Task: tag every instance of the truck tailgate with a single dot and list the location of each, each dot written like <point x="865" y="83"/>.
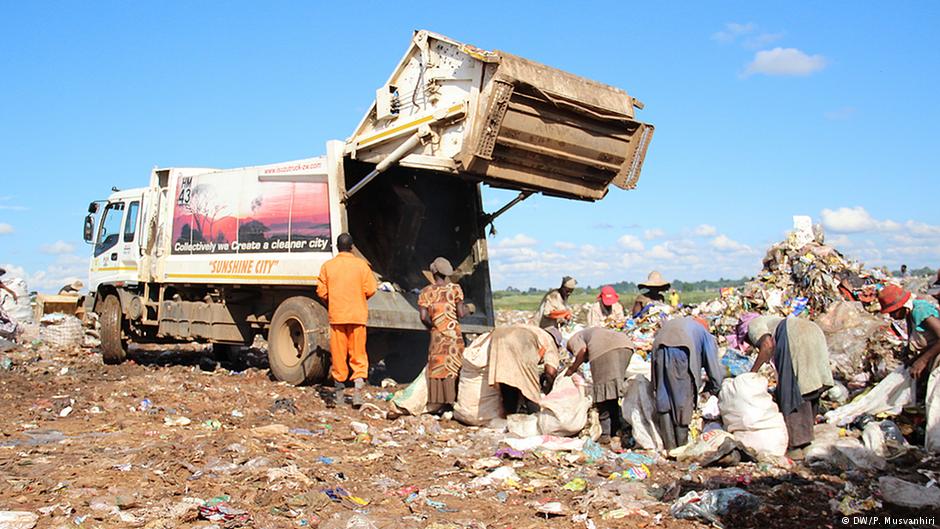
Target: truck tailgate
<point x="504" y="120"/>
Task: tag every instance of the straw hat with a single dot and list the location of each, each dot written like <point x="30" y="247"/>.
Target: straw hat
<point x="440" y="266"/>
<point x="654" y="280"/>
<point x="608" y="296"/>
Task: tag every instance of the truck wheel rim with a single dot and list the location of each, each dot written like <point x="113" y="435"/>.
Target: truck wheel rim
<point x="291" y="342"/>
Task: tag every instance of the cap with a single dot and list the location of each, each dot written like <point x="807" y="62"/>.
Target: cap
<point x="569" y="282"/>
<point x="608" y="296"/>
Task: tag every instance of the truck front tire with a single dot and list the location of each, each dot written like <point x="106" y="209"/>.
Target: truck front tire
<point x="298" y="341"/>
<point x="113" y="345"/>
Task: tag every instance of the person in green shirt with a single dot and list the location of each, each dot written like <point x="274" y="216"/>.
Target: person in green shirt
<point x="923" y="329"/>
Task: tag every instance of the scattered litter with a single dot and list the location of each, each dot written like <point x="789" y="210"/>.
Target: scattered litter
<point x="285" y="405"/>
<point x="711" y="504"/>
<point x="18" y="520"/>
<point x="176" y="421"/>
<point x="906" y="494"/>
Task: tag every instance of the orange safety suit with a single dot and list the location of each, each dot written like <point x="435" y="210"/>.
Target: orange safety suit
<point x="346" y="282"/>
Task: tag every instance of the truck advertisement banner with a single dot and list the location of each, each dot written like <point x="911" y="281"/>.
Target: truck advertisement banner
<point x="225" y="213"/>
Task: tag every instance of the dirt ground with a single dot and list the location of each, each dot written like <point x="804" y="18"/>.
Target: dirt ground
<point x="149" y="442"/>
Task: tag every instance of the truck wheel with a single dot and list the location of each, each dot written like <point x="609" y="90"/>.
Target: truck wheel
<point x="113" y="345"/>
<point x="298" y="341"/>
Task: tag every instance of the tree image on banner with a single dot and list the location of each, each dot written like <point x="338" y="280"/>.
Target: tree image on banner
<point x="206" y="210"/>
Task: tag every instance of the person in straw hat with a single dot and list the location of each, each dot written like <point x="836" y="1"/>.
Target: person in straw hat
<point x="442" y="304"/>
<point x="607" y="310"/>
<point x="923" y="328"/>
<point x="72" y="288"/>
<point x="554" y="311"/>
<point x="653" y="291"/>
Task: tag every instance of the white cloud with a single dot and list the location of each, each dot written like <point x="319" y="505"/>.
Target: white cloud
<point x="58" y="247"/>
<point x="563" y="245"/>
<point x="64" y="270"/>
<point x="631" y="242"/>
<point x="725" y="243"/>
<point x="733" y="30"/>
<point x="761" y="40"/>
<point x="840" y="114"/>
<point x="6" y="229"/>
<point x="854" y="220"/>
<point x="839" y="241"/>
<point x="660" y="252"/>
<point x="705" y="230"/>
<point x="7" y="207"/>
<point x="653" y="233"/>
<point x="920" y="229"/>
<point x="785" y="61"/>
<point x="517" y="241"/>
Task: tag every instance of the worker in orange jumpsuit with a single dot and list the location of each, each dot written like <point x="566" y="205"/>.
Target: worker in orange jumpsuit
<point x="346" y="282"/>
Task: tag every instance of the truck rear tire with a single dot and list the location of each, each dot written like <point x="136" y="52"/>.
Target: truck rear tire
<point x="298" y="341"/>
<point x="113" y="345"/>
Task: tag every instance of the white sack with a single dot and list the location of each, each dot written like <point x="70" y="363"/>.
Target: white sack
<point x="564" y="411"/>
<point x="890" y="396"/>
<point x="750" y="413"/>
<point x="477" y="402"/>
<point x="638" y="411"/>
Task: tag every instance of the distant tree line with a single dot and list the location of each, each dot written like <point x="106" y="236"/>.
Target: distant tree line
<point x="631" y="287"/>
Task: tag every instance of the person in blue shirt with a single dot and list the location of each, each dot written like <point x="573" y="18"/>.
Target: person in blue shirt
<point x="681" y="349"/>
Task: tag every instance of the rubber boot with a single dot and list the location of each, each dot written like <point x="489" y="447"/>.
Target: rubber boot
<point x="338" y="397"/>
<point x="357" y="392"/>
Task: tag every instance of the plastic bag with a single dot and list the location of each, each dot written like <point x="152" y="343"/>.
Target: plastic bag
<point x="414" y="397"/>
<point x="564" y="410"/>
<point x="18" y="519"/>
<point x="749" y="412"/>
<point x="890" y="396"/>
<point x="906" y="494"/>
<point x="845" y="453"/>
<point x="477" y="402"/>
<point x="711" y="504"/>
<point x="736" y="363"/>
<point x="715" y="447"/>
<point x="20" y="310"/>
<point x="873" y="437"/>
<point x="638" y="411"/>
<point x="848" y="326"/>
<point x="932" y="441"/>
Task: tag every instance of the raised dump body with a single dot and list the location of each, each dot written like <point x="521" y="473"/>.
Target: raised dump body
<point x="221" y="256"/>
<point x="497" y="118"/>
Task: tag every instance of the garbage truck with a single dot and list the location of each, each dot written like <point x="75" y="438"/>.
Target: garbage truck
<point x="224" y="255"/>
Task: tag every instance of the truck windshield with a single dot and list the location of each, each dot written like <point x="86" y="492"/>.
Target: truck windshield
<point x="110" y="230"/>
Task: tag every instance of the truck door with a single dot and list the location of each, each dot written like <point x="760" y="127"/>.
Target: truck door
<point x="106" y="263"/>
<point x="129" y="254"/>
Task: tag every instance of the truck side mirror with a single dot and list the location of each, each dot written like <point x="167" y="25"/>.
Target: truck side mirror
<point x="89" y="228"/>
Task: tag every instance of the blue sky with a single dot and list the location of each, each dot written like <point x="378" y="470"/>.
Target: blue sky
<point x="762" y="111"/>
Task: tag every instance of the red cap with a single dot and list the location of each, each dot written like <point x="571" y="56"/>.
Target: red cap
<point x="892" y="297"/>
<point x="608" y="296"/>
